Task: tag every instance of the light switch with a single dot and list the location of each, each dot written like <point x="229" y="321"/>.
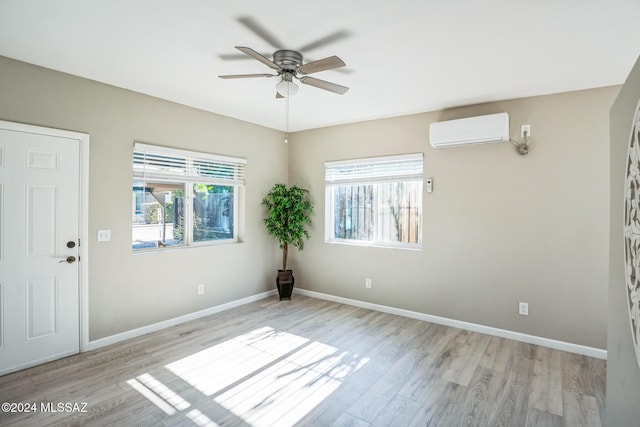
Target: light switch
<point x="104" y="235"/>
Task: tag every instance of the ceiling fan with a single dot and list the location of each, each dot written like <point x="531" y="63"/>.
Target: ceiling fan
<point x="287" y="64"/>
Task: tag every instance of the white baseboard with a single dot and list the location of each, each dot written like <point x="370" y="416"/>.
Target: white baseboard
<point x="176" y="321"/>
<point x="503" y="333"/>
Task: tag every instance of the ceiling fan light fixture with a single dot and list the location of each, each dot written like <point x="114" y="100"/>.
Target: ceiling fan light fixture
<point x="286" y="88"/>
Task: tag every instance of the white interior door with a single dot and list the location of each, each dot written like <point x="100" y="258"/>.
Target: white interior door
<point x="39" y="256"/>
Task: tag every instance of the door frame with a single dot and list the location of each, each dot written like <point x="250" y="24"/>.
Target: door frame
<point x="83" y="215"/>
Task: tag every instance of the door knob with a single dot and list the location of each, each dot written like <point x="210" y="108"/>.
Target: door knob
<point x="70" y="259"/>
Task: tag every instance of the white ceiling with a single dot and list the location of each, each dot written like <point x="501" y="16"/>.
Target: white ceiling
<point x="403" y="57"/>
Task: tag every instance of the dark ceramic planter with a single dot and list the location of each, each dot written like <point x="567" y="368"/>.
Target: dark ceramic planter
<point x="285" y="283"/>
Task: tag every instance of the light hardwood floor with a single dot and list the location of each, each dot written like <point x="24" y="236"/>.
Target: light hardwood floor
<point x="311" y="362"/>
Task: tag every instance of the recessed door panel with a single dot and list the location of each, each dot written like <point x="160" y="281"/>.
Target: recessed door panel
<point x="42" y="160"/>
<point x="42" y="307"/>
<point x="2" y="233"/>
<point x="41" y="213"/>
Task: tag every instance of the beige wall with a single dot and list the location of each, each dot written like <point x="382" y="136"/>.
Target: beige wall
<point x="128" y="291"/>
<point x="499" y="227"/>
<point x="623" y="373"/>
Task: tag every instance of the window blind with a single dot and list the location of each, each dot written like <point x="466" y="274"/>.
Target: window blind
<point x="152" y="162"/>
<point x="406" y="167"/>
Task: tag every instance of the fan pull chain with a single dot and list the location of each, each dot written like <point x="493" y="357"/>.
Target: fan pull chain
<point x="286" y="126"/>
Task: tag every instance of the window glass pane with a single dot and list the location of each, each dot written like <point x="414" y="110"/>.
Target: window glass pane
<point x="157" y="215"/>
<point x="212" y="212"/>
<point x="354" y="214"/>
<point x="386" y="212"/>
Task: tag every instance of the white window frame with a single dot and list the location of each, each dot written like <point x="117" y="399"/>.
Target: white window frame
<point x="372" y="170"/>
<point x="192" y="167"/>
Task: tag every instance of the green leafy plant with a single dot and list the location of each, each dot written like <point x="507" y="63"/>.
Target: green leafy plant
<point x="289" y="211"/>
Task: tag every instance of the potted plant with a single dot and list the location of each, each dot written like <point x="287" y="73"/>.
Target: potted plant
<point x="289" y="211"/>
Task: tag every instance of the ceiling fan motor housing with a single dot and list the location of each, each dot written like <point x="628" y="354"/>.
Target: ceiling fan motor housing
<point x="288" y="60"/>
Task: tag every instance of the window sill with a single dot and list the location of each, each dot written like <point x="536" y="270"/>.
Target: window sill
<point x="181" y="248"/>
<point x="383" y="245"/>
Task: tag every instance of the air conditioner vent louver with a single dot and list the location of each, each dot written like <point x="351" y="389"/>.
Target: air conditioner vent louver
<point x="471" y="130"/>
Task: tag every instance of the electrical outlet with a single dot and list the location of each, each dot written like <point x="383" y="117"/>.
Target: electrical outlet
<point x="367" y="283"/>
<point x="201" y="289"/>
<point x="104" y="235"/>
<point x="525" y="129"/>
<point x="523" y="309"/>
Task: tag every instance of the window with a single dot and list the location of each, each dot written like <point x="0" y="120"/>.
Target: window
<point x="184" y="198"/>
<point x="375" y="201"/>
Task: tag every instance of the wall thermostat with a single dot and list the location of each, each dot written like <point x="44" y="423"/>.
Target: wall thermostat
<point x="429" y="185"/>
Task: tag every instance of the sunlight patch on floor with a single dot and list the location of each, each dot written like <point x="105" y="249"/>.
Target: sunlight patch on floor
<point x="215" y="368"/>
<point x="201" y="419"/>
<point x="268" y="377"/>
<point x="164" y="392"/>
<point x="153" y="398"/>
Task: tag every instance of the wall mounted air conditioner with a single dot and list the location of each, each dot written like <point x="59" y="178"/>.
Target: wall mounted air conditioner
<point x="472" y="130"/>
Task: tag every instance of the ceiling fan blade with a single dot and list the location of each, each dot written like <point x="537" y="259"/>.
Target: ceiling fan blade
<point x="245" y="76"/>
<point x="343" y="70"/>
<point x="331" y="87"/>
<point x="278" y="96"/>
<point x="236" y="56"/>
<point x="255" y="55"/>
<point x="260" y="31"/>
<point x="321" y="65"/>
<point x="331" y="38"/>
